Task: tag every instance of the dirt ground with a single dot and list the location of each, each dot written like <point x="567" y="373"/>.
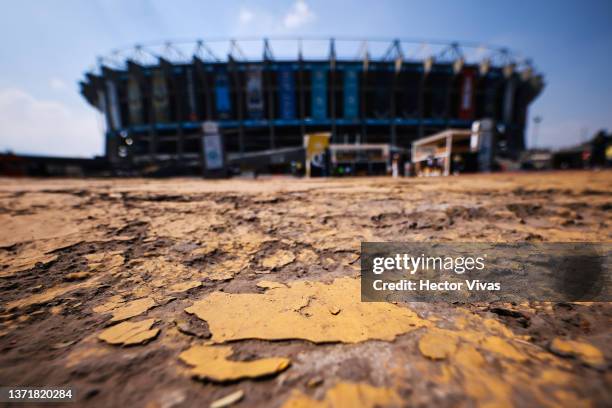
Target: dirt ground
<point x="180" y="292"/>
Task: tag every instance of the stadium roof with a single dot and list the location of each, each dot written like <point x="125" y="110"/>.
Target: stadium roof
<point x="250" y="49"/>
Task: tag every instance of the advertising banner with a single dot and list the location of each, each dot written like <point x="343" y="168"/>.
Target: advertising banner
<point x="222" y="95"/>
<point x="113" y="101"/>
<point x="509" y="100"/>
<point x="382" y="98"/>
<point x="254" y="93"/>
<point x="134" y="101"/>
<point x="351" y="93"/>
<point x="485" y="129"/>
<point x="213" y="151"/>
<point x="316" y="145"/>
<point x="161" y="105"/>
<point x="491" y="87"/>
<point x="192" y="108"/>
<point x="286" y="88"/>
<point x="319" y="93"/>
<point x="212" y="148"/>
<point x="466" y="104"/>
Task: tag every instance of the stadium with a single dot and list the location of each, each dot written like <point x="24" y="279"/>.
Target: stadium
<point x="267" y="94"/>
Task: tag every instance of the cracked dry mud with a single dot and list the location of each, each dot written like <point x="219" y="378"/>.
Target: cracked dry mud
<point x="184" y="292"/>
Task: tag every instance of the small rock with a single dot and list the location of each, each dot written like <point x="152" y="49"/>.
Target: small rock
<point x="74" y="276"/>
<point x="314" y="382"/>
<point x="91" y="393"/>
<point x="228" y="400"/>
<point x="437" y="345"/>
<point x="334" y="310"/>
<point x="130" y="333"/>
<point x="169" y="399"/>
<point x="264" y="284"/>
<point x="585" y="352"/>
<point x="65" y="344"/>
<point x="193" y="327"/>
<point x="278" y="259"/>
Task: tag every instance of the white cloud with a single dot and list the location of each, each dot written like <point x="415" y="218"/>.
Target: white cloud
<point x="299" y="15"/>
<point x="57" y="84"/>
<point x="245" y="16"/>
<point x="264" y="22"/>
<point x="35" y="126"/>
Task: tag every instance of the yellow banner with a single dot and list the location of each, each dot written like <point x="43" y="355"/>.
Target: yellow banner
<point x="316" y="143"/>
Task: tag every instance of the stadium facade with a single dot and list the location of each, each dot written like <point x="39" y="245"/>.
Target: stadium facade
<point x="267" y="94"/>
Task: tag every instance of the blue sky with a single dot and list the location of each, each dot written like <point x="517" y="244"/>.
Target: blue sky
<point x="47" y="46"/>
